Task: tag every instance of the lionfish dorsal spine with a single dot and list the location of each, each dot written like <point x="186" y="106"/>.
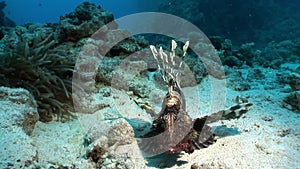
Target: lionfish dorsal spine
<point x="167" y="63"/>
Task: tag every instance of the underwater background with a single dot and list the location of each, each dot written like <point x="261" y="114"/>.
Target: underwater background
<point x="80" y="88"/>
<point x="43" y="11"/>
<point x="259" y="21"/>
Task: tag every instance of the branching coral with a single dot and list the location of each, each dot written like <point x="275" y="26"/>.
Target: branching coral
<point x="43" y="69"/>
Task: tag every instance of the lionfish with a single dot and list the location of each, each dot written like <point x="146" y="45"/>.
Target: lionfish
<point x="174" y="131"/>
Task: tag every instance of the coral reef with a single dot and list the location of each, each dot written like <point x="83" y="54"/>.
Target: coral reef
<point x="35" y="62"/>
<point x="93" y="69"/>
<point x="273" y="55"/>
<point x="261" y="21"/>
<point x="34" y="57"/>
<point x="124" y="90"/>
<point x="83" y="22"/>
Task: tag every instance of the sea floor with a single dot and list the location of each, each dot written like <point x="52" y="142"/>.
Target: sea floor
<point x="268" y="136"/>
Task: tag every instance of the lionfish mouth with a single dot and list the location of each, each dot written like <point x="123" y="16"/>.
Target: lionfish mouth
<point x="172" y="102"/>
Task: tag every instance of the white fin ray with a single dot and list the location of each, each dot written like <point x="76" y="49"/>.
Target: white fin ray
<point x="185" y="47"/>
<point x="169" y="69"/>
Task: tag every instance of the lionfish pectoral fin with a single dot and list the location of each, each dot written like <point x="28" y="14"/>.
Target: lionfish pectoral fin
<point x="236" y="111"/>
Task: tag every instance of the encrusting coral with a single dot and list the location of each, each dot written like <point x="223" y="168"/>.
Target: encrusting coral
<point x="42" y="69"/>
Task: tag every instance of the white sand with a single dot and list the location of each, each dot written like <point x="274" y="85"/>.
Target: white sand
<point x="258" y="144"/>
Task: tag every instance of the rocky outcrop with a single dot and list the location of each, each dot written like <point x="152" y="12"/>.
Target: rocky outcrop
<point x="83" y="22"/>
<point x="293" y="101"/>
<point x="18" y="109"/>
<point x="18" y="118"/>
<point x="112" y="145"/>
<point x="5" y="21"/>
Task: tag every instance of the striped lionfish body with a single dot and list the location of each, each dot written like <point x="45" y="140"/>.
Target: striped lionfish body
<point x="174" y="130"/>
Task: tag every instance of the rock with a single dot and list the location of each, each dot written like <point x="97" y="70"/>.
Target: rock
<point x="247" y="53"/>
<point x="267" y="118"/>
<point x="5" y="21"/>
<point x="211" y="165"/>
<point x="17" y="150"/>
<point x="296" y="48"/>
<point x="111" y="141"/>
<point x="210" y="59"/>
<point x="141" y="87"/>
<point x="288" y="44"/>
<point x="294" y="81"/>
<point x="18" y="118"/>
<point x="141" y="41"/>
<point x="112" y="131"/>
<point x="83" y="22"/>
<point x="232" y="61"/>
<point x="255" y="74"/>
<point x="217" y="41"/>
<point x="288" y="75"/>
<point x="294" y="101"/>
<point x="19" y="109"/>
<point x="237" y="81"/>
<point x="106" y="68"/>
<point x="283" y="54"/>
<point x="125" y="47"/>
<point x="96" y="154"/>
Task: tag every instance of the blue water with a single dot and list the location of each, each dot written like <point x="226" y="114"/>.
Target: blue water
<point x="259" y="21"/>
<point x="43" y="11"/>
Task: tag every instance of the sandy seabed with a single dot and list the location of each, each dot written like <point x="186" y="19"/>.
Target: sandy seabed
<point x="268" y="136"/>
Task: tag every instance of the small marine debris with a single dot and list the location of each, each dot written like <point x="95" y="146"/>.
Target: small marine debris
<point x="267" y="118"/>
<point x="64" y="167"/>
<point x="262" y="148"/>
<point x="284" y="132"/>
<point x="195" y="166"/>
<point x="209" y="165"/>
<point x="106" y="92"/>
<point x="256" y="125"/>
